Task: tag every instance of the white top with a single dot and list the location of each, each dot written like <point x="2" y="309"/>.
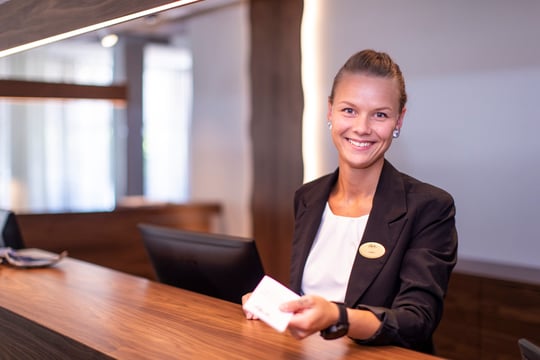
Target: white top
<point x="329" y="264"/>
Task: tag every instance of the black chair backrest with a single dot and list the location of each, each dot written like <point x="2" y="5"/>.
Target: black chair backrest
<point x="10" y="234"/>
<point x="529" y="351"/>
<point x="218" y="265"/>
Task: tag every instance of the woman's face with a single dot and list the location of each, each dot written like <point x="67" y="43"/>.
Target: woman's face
<point x="364" y="113"/>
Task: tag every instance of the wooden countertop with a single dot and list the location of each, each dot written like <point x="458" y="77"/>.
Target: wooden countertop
<point x="80" y="310"/>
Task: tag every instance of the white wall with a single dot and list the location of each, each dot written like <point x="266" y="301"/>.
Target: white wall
<point x="221" y="168"/>
<point x="473" y="77"/>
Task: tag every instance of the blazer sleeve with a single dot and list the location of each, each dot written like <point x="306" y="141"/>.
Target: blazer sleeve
<point x="428" y="258"/>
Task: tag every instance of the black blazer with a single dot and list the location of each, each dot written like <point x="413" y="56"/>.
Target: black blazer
<point x="404" y="288"/>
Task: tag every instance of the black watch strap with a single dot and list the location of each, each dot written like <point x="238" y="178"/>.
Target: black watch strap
<point x="339" y="329"/>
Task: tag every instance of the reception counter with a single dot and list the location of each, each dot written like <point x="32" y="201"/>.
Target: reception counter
<point x="77" y="310"/>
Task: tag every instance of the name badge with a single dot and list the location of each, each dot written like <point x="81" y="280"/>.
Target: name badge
<point x="371" y="250"/>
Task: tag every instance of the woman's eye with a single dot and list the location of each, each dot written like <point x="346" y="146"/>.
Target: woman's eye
<point x="348" y="111"/>
<point x="381" y="115"/>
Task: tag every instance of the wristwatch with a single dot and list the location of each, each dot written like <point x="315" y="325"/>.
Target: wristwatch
<point x="340" y="328"/>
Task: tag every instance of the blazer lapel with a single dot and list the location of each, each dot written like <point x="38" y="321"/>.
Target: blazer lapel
<point x="384" y="225"/>
<point x="307" y="224"/>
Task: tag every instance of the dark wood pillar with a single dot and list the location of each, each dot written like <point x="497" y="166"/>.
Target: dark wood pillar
<point x="276" y="127"/>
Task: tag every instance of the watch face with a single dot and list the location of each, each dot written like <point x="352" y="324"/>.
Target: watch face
<point x="335" y="331"/>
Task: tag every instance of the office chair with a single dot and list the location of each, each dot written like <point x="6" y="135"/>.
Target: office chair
<point x="10" y="234"/>
<point x="529" y="351"/>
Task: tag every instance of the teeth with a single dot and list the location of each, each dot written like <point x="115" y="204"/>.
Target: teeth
<point x="358" y="143"/>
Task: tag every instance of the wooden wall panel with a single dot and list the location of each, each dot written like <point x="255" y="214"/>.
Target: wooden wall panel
<point x="459" y="331"/>
<point x="276" y="127"/>
<point x="112" y="239"/>
<point x="510" y="310"/>
<point x="485" y="317"/>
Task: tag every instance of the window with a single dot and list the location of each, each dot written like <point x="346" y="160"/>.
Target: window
<point x="167" y="112"/>
<point x="58" y="156"/>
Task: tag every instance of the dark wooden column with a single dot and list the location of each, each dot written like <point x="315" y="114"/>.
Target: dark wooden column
<point x="276" y="127"/>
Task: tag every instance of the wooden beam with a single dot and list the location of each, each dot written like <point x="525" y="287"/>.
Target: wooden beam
<point x="19" y="89"/>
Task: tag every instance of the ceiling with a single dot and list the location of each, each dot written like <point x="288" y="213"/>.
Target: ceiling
<point x="30" y="23"/>
<point x="165" y="24"/>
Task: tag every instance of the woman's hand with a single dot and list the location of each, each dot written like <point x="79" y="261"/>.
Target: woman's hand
<point x="249" y="315"/>
<point x="311" y="314"/>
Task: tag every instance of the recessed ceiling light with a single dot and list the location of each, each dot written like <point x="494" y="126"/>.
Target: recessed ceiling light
<point x="109" y="40"/>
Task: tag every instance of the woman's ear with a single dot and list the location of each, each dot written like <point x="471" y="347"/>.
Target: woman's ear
<point x="399" y="123"/>
<point x="329" y="112"/>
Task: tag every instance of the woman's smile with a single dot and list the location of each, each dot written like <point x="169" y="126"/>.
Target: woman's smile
<point x="359" y="143"/>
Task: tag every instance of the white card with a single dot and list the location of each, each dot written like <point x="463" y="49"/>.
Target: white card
<point x="265" y="300"/>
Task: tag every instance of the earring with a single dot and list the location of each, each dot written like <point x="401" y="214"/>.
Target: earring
<point x="395" y="133"/>
<point x="329" y="125"/>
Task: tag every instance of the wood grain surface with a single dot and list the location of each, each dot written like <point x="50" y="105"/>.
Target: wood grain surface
<point x="18" y="89"/>
<point x="27" y="21"/>
<point x="111" y="238"/>
<point x="84" y="311"/>
<point x="276" y="127"/>
<point x="484" y="318"/>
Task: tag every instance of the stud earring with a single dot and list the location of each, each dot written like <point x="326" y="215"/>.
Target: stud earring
<point x="395" y="133"/>
<point x="329" y="125"/>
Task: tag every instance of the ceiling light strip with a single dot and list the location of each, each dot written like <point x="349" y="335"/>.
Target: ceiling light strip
<point x="94" y="27"/>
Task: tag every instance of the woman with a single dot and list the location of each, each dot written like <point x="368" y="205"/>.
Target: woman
<point x="373" y="248"/>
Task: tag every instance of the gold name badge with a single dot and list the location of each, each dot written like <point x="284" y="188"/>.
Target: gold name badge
<point x="371" y="250"/>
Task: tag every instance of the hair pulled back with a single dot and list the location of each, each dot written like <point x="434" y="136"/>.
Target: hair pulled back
<point x="371" y="62"/>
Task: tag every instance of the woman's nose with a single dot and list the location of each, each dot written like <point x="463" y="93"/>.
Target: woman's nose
<point x="361" y="125"/>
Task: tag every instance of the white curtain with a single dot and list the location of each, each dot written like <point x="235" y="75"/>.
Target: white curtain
<point x="167" y="113"/>
<point x="60" y="155"/>
<point x="56" y="155"/>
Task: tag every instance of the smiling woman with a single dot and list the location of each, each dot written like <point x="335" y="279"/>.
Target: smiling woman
<point x="373" y="248"/>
